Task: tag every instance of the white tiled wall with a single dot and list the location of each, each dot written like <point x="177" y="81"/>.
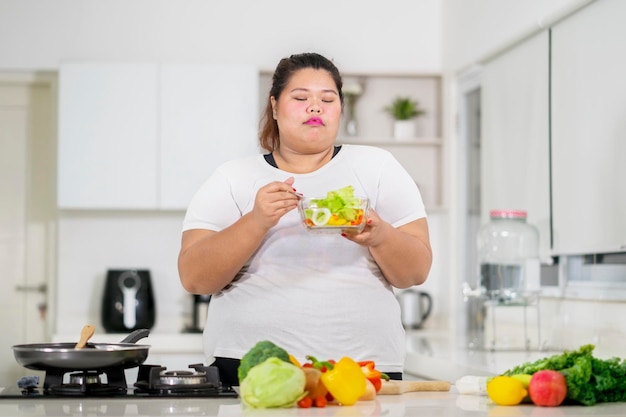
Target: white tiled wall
<point x="90" y="243"/>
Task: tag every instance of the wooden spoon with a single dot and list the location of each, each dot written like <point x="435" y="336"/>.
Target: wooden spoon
<point x="85" y="334"/>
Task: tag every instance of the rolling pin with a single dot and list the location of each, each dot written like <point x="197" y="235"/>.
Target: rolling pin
<point x="400" y="387"/>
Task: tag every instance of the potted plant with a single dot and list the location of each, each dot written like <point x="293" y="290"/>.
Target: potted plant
<point x="404" y="111"/>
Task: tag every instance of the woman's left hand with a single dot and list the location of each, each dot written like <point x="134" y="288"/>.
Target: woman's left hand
<point x="372" y="234"/>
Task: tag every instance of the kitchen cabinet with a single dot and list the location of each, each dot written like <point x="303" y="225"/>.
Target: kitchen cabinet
<point x="108" y="130"/>
<point x="560" y="95"/>
<point x="209" y="115"/>
<point x="588" y="130"/>
<point x="146" y="135"/>
<point x="421" y="156"/>
<point x="553" y="132"/>
<point x="515" y="141"/>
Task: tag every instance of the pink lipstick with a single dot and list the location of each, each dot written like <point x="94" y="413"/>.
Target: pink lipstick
<point x="314" y="121"/>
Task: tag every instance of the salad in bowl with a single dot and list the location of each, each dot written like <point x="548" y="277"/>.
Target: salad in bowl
<point x="340" y="210"/>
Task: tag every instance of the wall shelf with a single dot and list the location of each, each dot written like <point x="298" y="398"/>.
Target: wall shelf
<point x="422" y="156"/>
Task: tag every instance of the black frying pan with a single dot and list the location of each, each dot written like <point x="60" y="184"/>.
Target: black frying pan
<point x="95" y="356"/>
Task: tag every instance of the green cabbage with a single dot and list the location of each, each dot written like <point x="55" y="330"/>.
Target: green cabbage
<point x="273" y="383"/>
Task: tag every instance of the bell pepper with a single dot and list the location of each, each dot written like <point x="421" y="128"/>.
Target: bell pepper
<point x="294" y="361"/>
<point x="372" y="374"/>
<point x="344" y="379"/>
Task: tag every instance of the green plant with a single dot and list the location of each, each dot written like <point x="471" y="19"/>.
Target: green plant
<point x="403" y="108"/>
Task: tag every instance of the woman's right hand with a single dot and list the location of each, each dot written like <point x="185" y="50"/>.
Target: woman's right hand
<point x="272" y="202"/>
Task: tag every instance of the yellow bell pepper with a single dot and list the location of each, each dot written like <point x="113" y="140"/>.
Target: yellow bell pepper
<point x="344" y="380"/>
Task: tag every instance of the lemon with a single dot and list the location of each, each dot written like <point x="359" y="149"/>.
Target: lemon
<point x="525" y="380"/>
<point x="505" y="390"/>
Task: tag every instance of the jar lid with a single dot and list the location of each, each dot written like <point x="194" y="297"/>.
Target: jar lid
<point x="509" y="214"/>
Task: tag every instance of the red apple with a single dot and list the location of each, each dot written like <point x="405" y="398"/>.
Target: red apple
<point x="547" y="388"/>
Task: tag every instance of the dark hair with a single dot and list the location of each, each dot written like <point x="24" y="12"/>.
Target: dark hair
<point x="269" y="135"/>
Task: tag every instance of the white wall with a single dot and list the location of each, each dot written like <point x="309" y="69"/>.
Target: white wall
<point x="395" y="35"/>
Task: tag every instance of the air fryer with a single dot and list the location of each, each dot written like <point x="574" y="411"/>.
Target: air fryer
<point x="128" y="302"/>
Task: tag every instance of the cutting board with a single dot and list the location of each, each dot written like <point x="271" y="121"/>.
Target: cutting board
<point x="400" y="387"/>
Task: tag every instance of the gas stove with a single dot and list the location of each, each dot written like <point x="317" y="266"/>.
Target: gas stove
<point x="153" y="381"/>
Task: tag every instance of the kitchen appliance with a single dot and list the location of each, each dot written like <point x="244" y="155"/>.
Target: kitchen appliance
<point x="415" y="307"/>
<point x="57" y="358"/>
<point x="508" y="283"/>
<point x="128" y="301"/>
<point x="200" y="311"/>
<point x="98" y="370"/>
<point x="508" y="255"/>
<point x="153" y="381"/>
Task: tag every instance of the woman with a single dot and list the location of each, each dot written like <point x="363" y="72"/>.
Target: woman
<point x="323" y="295"/>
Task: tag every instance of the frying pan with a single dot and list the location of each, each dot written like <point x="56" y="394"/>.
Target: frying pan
<point x="95" y="356"/>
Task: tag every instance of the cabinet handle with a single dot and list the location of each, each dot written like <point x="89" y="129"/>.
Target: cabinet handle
<point x="42" y="288"/>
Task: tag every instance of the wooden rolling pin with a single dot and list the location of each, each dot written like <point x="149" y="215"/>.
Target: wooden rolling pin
<point x="400" y="387"/>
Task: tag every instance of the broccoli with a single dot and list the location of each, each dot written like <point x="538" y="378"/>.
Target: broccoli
<point x="589" y="380"/>
<point x="259" y="353"/>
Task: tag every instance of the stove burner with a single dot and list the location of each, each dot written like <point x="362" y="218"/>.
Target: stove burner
<point x="88" y="378"/>
<point x="115" y="377"/>
<point x="87" y="383"/>
<point x="152" y="381"/>
<point x="182" y="377"/>
<point x="155" y="380"/>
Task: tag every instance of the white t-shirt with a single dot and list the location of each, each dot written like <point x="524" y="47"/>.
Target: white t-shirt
<point x="311" y="294"/>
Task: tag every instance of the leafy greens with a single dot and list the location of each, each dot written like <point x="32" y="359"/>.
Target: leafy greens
<point x="589" y="380"/>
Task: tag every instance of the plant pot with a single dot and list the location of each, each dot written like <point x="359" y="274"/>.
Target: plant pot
<point x="404" y="129"/>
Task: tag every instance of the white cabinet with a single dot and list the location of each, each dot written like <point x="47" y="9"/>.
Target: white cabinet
<point x="145" y="136"/>
<point x="515" y="142"/>
<point x="589" y="130"/>
<point x="209" y="115"/>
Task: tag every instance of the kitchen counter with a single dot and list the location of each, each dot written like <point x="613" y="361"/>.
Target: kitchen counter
<point x="422" y="404"/>
<point x="431" y="354"/>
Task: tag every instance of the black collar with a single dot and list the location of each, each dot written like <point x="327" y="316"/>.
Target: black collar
<point x="269" y="157"/>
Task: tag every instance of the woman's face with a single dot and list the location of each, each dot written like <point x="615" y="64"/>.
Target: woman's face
<point x="308" y="112"/>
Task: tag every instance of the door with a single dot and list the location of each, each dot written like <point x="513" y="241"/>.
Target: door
<point x="27" y="215"/>
<point x="467" y="166"/>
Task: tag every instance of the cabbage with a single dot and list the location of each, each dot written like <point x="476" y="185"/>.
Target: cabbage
<point x="273" y="383"/>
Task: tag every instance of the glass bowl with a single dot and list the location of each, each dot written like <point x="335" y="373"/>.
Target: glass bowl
<point x="317" y="218"/>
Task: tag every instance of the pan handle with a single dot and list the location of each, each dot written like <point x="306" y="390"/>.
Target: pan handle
<point x="136" y="335"/>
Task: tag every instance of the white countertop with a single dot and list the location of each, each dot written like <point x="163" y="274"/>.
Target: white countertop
<point x="422" y="404"/>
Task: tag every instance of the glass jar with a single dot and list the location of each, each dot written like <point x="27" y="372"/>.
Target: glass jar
<point x="508" y="255"/>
